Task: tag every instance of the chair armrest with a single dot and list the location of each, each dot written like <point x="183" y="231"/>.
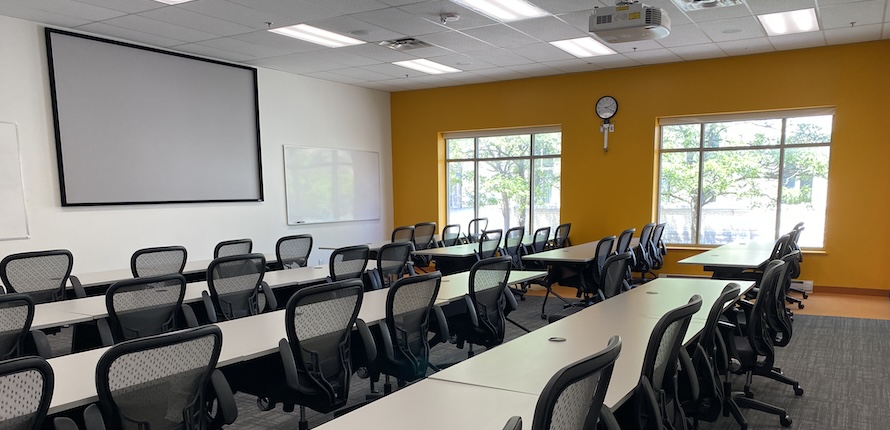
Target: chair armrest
<point x="688" y="369"/>
<point x="649" y="403"/>
<point x="271" y="301"/>
<point x="510" y="301"/>
<point x="105" y="332"/>
<point x="471" y="310"/>
<point x="607" y="419"/>
<point x="290" y="366"/>
<point x="367" y="340"/>
<point x="386" y="341"/>
<point x="64" y="423"/>
<point x="208" y="306"/>
<point x="92" y="418"/>
<point x="226" y="410"/>
<point x="443" y="334"/>
<point x="79" y="292"/>
<point x="410" y="265"/>
<point x="41" y="344"/>
<point x="375" y="280"/>
<point x="514" y="423"/>
<point x="188" y="314"/>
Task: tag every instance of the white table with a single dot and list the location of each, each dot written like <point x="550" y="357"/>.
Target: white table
<point x="728" y="261"/>
<point x="108" y="277"/>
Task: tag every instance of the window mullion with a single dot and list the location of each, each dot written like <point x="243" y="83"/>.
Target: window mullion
<point x="701" y="172"/>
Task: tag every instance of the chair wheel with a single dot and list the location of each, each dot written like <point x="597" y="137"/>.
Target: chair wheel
<point x="522" y="298"/>
<point x="800" y="306"/>
<point x="785" y="421"/>
<point x="798" y="391"/>
<point x="748" y="393"/>
<point x="264" y="404"/>
<point x="806" y="296"/>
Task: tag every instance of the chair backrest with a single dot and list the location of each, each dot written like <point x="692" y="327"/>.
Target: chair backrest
<point x="513" y="245"/>
<point x="663" y="349"/>
<point x="233" y="247"/>
<point x="646" y="236"/>
<point x="624" y="240"/>
<point x="404" y="233"/>
<point x="159" y="381"/>
<point x="164" y="260"/>
<point x="758" y="329"/>
<point x="488" y="282"/>
<point x="475" y="228"/>
<point x="27" y="386"/>
<point x="16" y="315"/>
<point x="408" y="306"/>
<point x="423" y="235"/>
<point x="489" y="244"/>
<point x="561" y="237"/>
<point x="613" y="274"/>
<point x="655" y="246"/>
<point x="319" y="321"/>
<point x="782" y="246"/>
<point x="293" y="251"/>
<point x="41" y="274"/>
<point x="349" y="262"/>
<point x="573" y="397"/>
<point x="144" y="307"/>
<point x="234" y="283"/>
<point x="708" y="335"/>
<point x="451" y="235"/>
<point x="795" y="239"/>
<point x="603" y="250"/>
<point x="392" y="260"/>
<point x="541" y="237"/>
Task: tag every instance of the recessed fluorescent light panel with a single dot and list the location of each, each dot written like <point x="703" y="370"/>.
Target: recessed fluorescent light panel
<point x="795" y="21"/>
<point x="427" y="66"/>
<point x="504" y="10"/>
<point x="172" y="1"/>
<point x="317" y="36"/>
<point x="583" y="47"/>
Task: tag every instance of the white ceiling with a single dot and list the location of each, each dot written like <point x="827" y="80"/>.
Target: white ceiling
<point x="486" y="50"/>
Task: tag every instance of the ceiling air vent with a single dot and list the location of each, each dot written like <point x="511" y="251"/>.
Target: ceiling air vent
<point x="404" y="44"/>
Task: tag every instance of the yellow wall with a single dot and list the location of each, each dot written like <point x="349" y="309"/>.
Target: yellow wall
<point x="604" y="193"/>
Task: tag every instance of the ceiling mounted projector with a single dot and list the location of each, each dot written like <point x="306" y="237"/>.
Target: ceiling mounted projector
<point x="629" y="22"/>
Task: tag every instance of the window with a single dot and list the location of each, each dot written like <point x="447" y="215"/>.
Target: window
<point x="747" y="176"/>
<point x="511" y="177"/>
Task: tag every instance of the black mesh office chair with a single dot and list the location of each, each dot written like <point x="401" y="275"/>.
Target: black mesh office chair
<point x="348" y="263"/>
<point x="484" y="323"/>
<point x="42" y="275"/>
<point x="475" y="229"/>
<point x="144" y="307"/>
<point x="450" y="235"/>
<point x="642" y="259"/>
<point x="489" y="244"/>
<point x="561" y="237"/>
<point x="656" y="402"/>
<point x="164" y="260"/>
<point x="234" y="283"/>
<point x="27" y="385"/>
<point x="404" y="347"/>
<point x="141" y="387"/>
<point x="293" y="251"/>
<point x="233" y="247"/>
<point x="424" y="234"/>
<point x="316" y="354"/>
<point x="657" y="249"/>
<point x="612" y="282"/>
<point x="622" y="246"/>
<point x="794" y="271"/>
<point x="603" y="251"/>
<point x="539" y="244"/>
<point x="573" y="398"/>
<point x="392" y="265"/>
<point x="403" y="234"/>
<point x="513" y="246"/>
<point x="16" y="337"/>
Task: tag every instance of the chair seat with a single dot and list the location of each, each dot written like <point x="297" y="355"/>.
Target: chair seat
<point x="746" y="355"/>
<point x="467" y="332"/>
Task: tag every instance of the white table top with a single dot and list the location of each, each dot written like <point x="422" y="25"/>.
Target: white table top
<point x="439" y="405"/>
<point x="92" y="279"/>
<point x="575" y="254"/>
<point x="741" y="255"/>
<point x="456" y="285"/>
<point x="455" y="251"/>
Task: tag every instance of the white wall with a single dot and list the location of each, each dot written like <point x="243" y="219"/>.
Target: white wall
<point x="294" y="110"/>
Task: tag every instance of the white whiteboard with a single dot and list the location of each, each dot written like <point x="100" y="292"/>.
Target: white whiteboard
<point x="331" y="185"/>
<point x="13" y="219"/>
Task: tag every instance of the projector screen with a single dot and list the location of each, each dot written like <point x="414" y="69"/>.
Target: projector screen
<point x="136" y="125"/>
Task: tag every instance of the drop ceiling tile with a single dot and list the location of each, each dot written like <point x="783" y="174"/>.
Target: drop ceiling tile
<point x="197" y="21"/>
<point x="838" y="36"/>
<point x="500" y="74"/>
<point x="21" y="12"/>
<point x="573" y="66"/>
<point x="677" y="16"/>
<point x="720" y="13"/>
<point x="345" y="58"/>
<point x="760" y="7"/>
<point x="468" y="78"/>
<point x="296" y="9"/>
<point x="500" y="57"/>
<point x="798" y="41"/>
<point x="277" y="41"/>
<point x="535" y="70"/>
<point x="432" y="51"/>
<point x="462" y="62"/>
<point x="684" y="35"/>
<point x="129" y="6"/>
<point x="349" y="26"/>
<point x="335" y="77"/>
<point x="542" y="52"/>
<point x="886" y="32"/>
<point x="237" y="13"/>
<point x="399" y="21"/>
<point x="613" y="61"/>
<point x="834" y="2"/>
<point x="733" y="29"/>
<point x="129" y="35"/>
<point x="654" y="56"/>
<point x="557" y="7"/>
<point x="377" y="52"/>
<point x="746" y="46"/>
<point x="241" y="47"/>
<point x="350" y="6"/>
<point x="391" y="86"/>
<point x="431" y="10"/>
<point x="158" y="28"/>
<point x="359" y="74"/>
<point x="297" y="63"/>
<point x="455" y="41"/>
<point x="547" y="29"/>
<point x="862" y="13"/>
<point x="75" y="9"/>
<point x="400" y="2"/>
<point x="392" y="70"/>
<point x="698" y="52"/>
<point x="640" y="45"/>
<point x="210" y="52"/>
<point x="500" y="35"/>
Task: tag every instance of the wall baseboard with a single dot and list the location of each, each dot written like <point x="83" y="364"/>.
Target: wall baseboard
<point x="855" y="291"/>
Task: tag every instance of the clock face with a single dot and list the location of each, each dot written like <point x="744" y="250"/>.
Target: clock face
<point x="606" y="107"/>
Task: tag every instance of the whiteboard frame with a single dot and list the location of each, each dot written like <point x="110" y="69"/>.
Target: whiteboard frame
<point x="288" y="196"/>
<point x="20" y="185"/>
